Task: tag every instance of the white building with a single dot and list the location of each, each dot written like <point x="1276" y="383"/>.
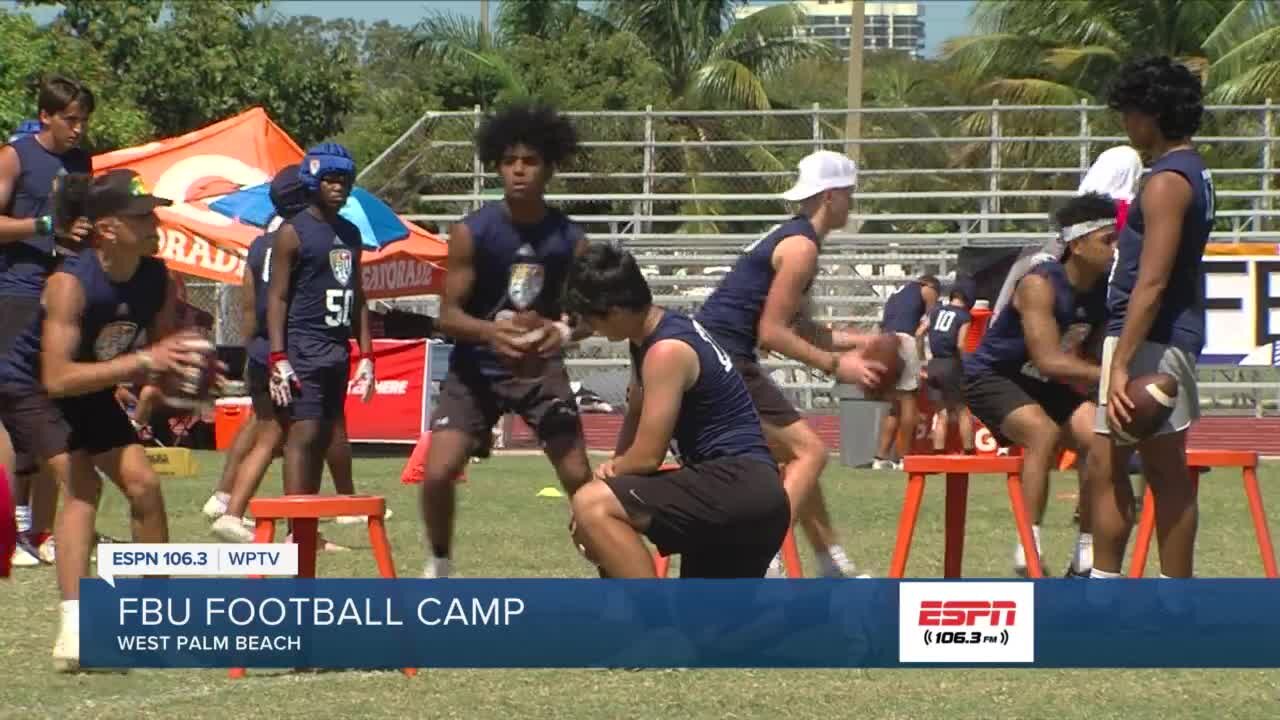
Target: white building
<point x="888" y="25"/>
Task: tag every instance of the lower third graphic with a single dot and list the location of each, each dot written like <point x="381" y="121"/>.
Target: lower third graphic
<point x="986" y="622"/>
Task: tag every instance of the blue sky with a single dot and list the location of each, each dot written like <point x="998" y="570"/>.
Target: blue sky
<point x="943" y="18"/>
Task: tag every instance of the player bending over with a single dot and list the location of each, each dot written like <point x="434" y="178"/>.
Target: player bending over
<point x="763" y="302"/>
<point x="259" y="439"/>
<point x="1018" y="381"/>
<point x="315" y="295"/>
<point x="948" y="326"/>
<point x="1155" y="318"/>
<point x="505" y="255"/>
<point x="57" y="381"/>
<point x="904" y="315"/>
<point x="724" y="511"/>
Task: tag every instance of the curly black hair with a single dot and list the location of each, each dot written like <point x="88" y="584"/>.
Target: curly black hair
<point x="1083" y="208"/>
<point x="605" y="277"/>
<point x="538" y="126"/>
<point x="1163" y="88"/>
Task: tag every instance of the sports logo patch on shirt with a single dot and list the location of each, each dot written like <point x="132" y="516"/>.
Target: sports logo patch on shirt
<point x="341" y="262"/>
<point x="115" y="339"/>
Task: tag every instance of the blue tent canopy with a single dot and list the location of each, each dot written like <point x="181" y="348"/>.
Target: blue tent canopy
<point x="379" y="225"/>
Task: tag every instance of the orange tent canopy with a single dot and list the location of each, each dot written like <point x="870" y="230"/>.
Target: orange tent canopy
<point x="196" y="169"/>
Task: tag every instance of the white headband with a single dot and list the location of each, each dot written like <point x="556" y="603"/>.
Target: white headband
<point x="1071" y="232"/>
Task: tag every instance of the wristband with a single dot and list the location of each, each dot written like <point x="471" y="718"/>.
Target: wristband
<point x="148" y="362"/>
<point x="566" y="332"/>
<point x="44" y="225"/>
<point x="276" y="357"/>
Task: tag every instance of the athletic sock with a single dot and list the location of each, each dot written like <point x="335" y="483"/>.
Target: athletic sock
<point x="1096" y="574"/>
<point x="1082" y="561"/>
<point x="222" y="497"/>
<point x="71" y="615"/>
<point x="22" y="514"/>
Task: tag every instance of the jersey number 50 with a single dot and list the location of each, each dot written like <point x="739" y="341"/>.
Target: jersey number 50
<point x="338" y="305"/>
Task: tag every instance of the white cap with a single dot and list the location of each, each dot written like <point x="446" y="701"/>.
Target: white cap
<point x="821" y="171"/>
<point x="1115" y="173"/>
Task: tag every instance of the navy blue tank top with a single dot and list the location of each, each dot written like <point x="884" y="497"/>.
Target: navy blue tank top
<point x="258" y="261"/>
<point x="903" y="309"/>
<point x="115" y="316"/>
<point x="1180" y="319"/>
<point x="1003" y="350"/>
<point x="717" y="418"/>
<point x="322" y="291"/>
<point x="25" y="264"/>
<point x="732" y="312"/>
<point x="496" y="240"/>
<point x="944" y="329"/>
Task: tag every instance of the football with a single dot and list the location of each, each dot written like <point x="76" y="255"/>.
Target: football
<point x="530" y="365"/>
<point x="187" y="390"/>
<point x="883" y="349"/>
<point x="1154" y="396"/>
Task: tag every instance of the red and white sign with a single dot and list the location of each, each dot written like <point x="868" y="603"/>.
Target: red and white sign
<point x="966" y="622"/>
<point x="400" y="407"/>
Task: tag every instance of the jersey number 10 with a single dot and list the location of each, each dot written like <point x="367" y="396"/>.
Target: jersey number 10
<point x="338" y="305"/>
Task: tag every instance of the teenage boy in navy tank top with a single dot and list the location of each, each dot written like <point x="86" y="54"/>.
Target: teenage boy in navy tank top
<point x="30" y="248"/>
<point x="315" y="295"/>
<point x="763" y="303"/>
<point x="724" y="511"/>
<point x="57" y="382"/>
<point x="525" y="144"/>
<point x="1155" y="315"/>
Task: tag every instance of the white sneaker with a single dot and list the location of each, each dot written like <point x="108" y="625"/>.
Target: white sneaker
<point x="775" y="571"/>
<point x="879" y="464"/>
<point x="22" y="558"/>
<point x="359" y="519"/>
<point x="437" y="568"/>
<point x="836" y="564"/>
<point x="1020" y="555"/>
<point x="231" y="529"/>
<point x="48" y="553"/>
<point x="214" y="508"/>
<point x="66" y="650"/>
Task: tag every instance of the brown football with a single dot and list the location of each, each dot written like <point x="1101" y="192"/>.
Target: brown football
<point x="531" y="365"/>
<point x="1154" y="396"/>
<point x="883" y="349"/>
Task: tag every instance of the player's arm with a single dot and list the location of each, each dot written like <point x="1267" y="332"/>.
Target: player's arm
<point x="825" y="337"/>
<point x="458" y="283"/>
<point x="61" y="375"/>
<point x="795" y="262"/>
<point x="283" y="257"/>
<point x="635" y="404"/>
<point x="670" y="368"/>
<point x="363" y="332"/>
<point x="1165" y="200"/>
<point x="248" y="313"/>
<point x="12" y="229"/>
<point x="1034" y="300"/>
<point x="961" y="335"/>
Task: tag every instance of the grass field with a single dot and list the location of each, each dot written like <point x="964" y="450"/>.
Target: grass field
<point x="505" y="531"/>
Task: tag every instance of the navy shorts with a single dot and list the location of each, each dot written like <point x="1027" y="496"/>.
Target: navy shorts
<point x="323" y="393"/>
<point x="258" y="381"/>
<point x="44" y="428"/>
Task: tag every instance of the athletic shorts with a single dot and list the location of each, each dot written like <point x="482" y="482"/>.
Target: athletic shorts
<point x="992" y="397"/>
<point x="946" y="383"/>
<point x="258" y="381"/>
<point x="19" y="313"/>
<point x="771" y="403"/>
<point x="44" y="428"/>
<point x="726" y="518"/>
<point x="909" y="351"/>
<point x="472" y="403"/>
<point x="323" y="392"/>
<point x="1152" y="358"/>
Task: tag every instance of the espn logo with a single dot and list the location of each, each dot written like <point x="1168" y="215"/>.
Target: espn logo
<point x="966" y="613"/>
<point x="966" y="622"/>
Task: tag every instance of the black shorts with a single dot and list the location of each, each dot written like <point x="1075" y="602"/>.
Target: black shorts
<point x="726" y="518"/>
<point x="323" y="393"/>
<point x="771" y="403"/>
<point x="993" y="397"/>
<point x="258" y="381"/>
<point x="44" y="428"/>
<point x="472" y="403"/>
<point x="946" y="382"/>
<point x="19" y="313"/>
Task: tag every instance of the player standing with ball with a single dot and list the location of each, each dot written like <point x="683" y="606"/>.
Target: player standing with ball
<point x="57" y="381"/>
<point x="1155" y="316"/>
<point x="315" y="295"/>
<point x="763" y="302"/>
<point x="507" y="256"/>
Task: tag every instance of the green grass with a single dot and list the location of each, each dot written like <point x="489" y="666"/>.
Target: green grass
<point x="505" y="531"/>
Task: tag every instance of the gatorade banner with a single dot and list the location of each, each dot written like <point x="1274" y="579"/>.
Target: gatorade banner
<point x="549" y="623"/>
<point x="398" y="410"/>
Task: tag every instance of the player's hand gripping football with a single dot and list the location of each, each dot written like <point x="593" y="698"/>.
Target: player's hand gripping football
<point x="284" y="381"/>
<point x="174" y="354"/>
<point x="365" y="379"/>
<point x="1119" y="405"/>
<point x="854" y="369"/>
<point x="508" y="338"/>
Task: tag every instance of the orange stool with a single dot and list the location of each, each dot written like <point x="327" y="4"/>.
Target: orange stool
<point x="305" y="511"/>
<point x="1199" y="461"/>
<point x="957" y="469"/>
<point x="790" y="555"/>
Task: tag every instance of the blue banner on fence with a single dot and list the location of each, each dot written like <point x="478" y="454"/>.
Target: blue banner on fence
<point x="338" y="623"/>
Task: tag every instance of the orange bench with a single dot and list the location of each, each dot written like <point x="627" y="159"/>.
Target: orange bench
<point x="305" y="512"/>
<point x="1199" y="461"/>
<point x="957" y="469"/>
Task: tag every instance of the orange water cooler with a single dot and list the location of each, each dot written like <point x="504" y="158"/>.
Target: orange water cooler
<point x="228" y="416"/>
